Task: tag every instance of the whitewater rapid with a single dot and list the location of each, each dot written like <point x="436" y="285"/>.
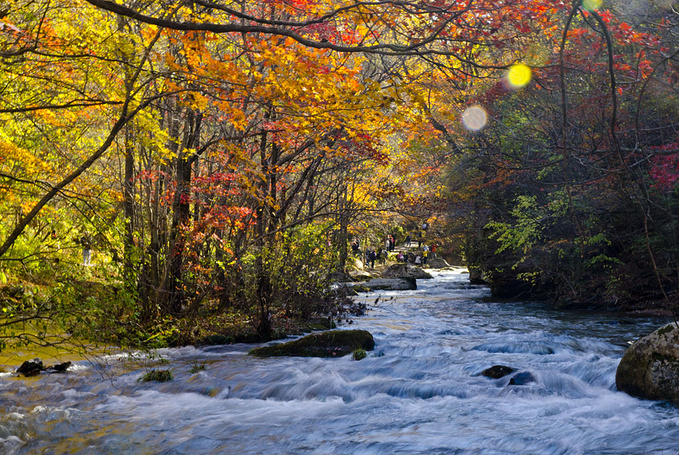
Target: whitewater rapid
<point x="420" y="391"/>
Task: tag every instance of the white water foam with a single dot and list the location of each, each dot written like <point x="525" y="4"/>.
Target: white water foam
<point x="420" y="391"/>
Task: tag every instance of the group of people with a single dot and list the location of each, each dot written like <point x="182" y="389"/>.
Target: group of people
<point x="425" y="254"/>
<point x="420" y="258"/>
<point x="370" y="254"/>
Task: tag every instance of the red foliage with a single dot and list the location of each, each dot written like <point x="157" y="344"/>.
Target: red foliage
<point x="665" y="168"/>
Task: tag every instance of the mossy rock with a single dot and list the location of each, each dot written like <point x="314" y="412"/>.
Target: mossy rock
<point x="650" y="367"/>
<point x="336" y="343"/>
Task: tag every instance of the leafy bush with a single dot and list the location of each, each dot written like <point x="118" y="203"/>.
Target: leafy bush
<point x="157" y="376"/>
<point x="359" y="354"/>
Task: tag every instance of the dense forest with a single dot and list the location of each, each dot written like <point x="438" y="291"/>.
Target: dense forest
<point x="217" y="157"/>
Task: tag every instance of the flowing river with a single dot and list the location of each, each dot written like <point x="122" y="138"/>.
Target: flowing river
<point x="419" y="392"/>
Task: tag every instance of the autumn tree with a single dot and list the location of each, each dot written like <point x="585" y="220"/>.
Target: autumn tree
<point x="64" y="102"/>
<point x="572" y="210"/>
<point x="224" y="153"/>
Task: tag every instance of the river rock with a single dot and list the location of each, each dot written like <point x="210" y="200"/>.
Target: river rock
<point x="390" y="284"/>
<point x="650" y="366"/>
<point x="35" y="367"/>
<point x="437" y="263"/>
<point x="497" y="371"/>
<point x="360" y="275"/>
<point x="31" y="367"/>
<point x="58" y="368"/>
<point x="336" y="343"/>
<point x="405" y="270"/>
<point x="522" y="378"/>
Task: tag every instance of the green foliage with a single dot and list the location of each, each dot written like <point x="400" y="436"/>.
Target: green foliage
<point x="196" y="367"/>
<point x="157" y="376"/>
<point x="359" y="354"/>
<point x="295" y="267"/>
<point x="530" y="220"/>
<point x="524" y="232"/>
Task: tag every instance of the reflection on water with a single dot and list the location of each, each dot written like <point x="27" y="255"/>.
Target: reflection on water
<point x="420" y="391"/>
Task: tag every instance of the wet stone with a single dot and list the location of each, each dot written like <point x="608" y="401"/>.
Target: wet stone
<point x="650" y="367"/>
<point x="497" y="371"/>
<point x="522" y="378"/>
<point x="58" y="368"/>
<point x="336" y="343"/>
<point x="30" y="367"/>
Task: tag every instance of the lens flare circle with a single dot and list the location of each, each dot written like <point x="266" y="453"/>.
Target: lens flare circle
<point x="475" y="118"/>
<point x="519" y="75"/>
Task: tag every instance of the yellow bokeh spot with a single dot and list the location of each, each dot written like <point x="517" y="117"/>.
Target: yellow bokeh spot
<point x="519" y="75"/>
<point x="592" y="5"/>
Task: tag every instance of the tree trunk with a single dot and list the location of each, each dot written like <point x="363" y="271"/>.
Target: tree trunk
<point x="174" y="296"/>
<point x="343" y="226"/>
<point x="264" y="327"/>
<point x="128" y="208"/>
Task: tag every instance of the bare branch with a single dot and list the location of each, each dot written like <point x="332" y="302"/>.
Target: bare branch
<point x="272" y="27"/>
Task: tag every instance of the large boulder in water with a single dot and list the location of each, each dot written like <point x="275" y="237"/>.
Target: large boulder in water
<point x="437" y="263"/>
<point x="390" y="284"/>
<point x="522" y="378"/>
<point x="405" y="270"/>
<point x="650" y="366"/>
<point x="497" y="371"/>
<point x="336" y="343"/>
<point x="31" y="367"/>
<point x="35" y="367"/>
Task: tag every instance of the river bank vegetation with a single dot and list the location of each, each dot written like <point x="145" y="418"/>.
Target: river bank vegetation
<point x="217" y="158"/>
